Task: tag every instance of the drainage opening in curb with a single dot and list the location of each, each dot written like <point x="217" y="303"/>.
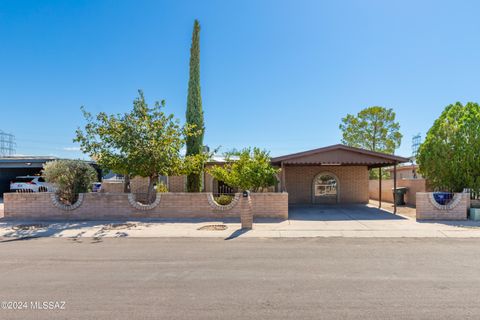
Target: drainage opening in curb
<point x="213" y="227"/>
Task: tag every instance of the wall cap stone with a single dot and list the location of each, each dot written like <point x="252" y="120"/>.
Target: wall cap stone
<point x="65" y="207"/>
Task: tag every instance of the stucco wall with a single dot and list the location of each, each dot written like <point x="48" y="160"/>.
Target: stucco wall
<point x="352" y="184"/>
<point x="98" y="206"/>
<point x="413" y="185"/>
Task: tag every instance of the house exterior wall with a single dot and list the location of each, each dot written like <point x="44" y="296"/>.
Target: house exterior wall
<point x="175" y="184"/>
<point x="352" y="184"/>
<point x="406" y="172"/>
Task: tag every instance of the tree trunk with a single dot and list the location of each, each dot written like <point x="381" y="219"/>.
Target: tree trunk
<point x="126" y="184"/>
<point x="151" y="189"/>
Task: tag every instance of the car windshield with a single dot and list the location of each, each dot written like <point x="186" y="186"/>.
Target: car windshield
<point x="16" y="180"/>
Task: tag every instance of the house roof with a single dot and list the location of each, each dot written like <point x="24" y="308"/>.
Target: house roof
<point x="28" y="161"/>
<point x="340" y="154"/>
<point x="24" y="161"/>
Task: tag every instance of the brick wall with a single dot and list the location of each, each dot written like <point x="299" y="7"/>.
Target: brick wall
<point x="208" y="183"/>
<point x="413" y="185"/>
<point x="427" y="210"/>
<point x="112" y="186"/>
<point x="139" y="185"/>
<point x="270" y="205"/>
<point x="352" y="184"/>
<point x="177" y="183"/>
<point x="102" y="206"/>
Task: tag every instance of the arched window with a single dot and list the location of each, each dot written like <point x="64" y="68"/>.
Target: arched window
<point x="325" y="188"/>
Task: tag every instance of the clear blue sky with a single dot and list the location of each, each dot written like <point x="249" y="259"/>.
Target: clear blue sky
<point x="275" y="74"/>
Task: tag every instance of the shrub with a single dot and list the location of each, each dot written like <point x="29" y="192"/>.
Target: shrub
<point x="70" y="178"/>
<point x="162" y="187"/>
<point x="223" y="199"/>
<point x="248" y="169"/>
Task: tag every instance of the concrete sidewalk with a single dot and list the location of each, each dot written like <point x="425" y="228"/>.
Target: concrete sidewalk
<point x="353" y="221"/>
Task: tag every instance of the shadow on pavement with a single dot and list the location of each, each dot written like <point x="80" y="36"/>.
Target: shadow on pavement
<point x="27" y="230"/>
<point x="237" y="233"/>
<point x="455" y="223"/>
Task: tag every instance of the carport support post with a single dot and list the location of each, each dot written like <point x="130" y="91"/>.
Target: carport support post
<point x="395" y="188"/>
<point x="380" y="187"/>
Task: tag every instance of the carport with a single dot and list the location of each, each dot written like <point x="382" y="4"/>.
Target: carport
<point x="335" y="174"/>
<point x="14" y="166"/>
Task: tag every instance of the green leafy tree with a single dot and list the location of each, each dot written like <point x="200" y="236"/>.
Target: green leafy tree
<point x="449" y="156"/>
<point x="373" y="129"/>
<point x="247" y="170"/>
<point x="194" y="114"/>
<point x="70" y="177"/>
<point x="145" y="142"/>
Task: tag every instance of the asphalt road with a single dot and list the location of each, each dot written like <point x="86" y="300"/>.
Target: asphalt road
<point x="324" y="278"/>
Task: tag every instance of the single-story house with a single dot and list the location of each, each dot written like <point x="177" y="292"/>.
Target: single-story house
<point x="330" y="175"/>
<point x="407" y="171"/>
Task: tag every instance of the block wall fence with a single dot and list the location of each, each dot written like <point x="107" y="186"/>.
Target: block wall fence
<point x="104" y="206"/>
<point x="413" y="185"/>
<point x="429" y="209"/>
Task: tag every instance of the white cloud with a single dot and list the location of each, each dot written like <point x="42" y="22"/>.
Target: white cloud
<point x="71" y="149"/>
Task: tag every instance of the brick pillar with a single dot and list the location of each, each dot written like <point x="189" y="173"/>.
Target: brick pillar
<point x="246" y="212"/>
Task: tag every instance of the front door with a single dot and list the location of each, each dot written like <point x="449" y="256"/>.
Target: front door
<point x="325" y="189"/>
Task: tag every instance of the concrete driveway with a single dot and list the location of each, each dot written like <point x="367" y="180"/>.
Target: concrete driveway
<point x="340" y="213"/>
<point x="355" y="221"/>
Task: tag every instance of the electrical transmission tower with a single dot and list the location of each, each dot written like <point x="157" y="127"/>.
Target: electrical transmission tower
<point x="415" y="145"/>
<point x="7" y="144"/>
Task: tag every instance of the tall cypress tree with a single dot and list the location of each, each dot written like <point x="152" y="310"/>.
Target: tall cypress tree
<point x="194" y="115"/>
